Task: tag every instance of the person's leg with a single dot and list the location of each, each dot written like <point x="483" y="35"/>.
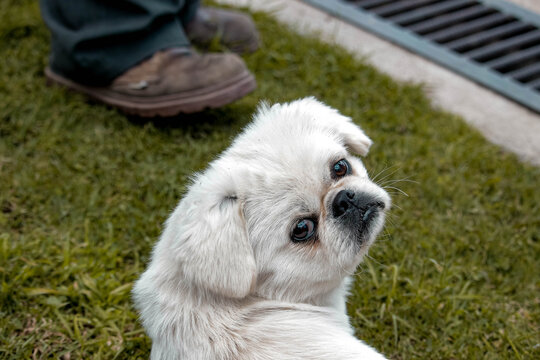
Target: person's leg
<point x="134" y="55"/>
<point x="94" y="41"/>
<point x="232" y="29"/>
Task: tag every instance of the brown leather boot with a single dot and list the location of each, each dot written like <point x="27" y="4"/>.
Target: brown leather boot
<point x="170" y="82"/>
<point x="233" y="29"/>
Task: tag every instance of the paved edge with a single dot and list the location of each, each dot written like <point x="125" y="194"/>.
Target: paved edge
<point x="501" y="121"/>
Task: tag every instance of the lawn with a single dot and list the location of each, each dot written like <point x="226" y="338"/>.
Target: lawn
<point x="84" y="191"/>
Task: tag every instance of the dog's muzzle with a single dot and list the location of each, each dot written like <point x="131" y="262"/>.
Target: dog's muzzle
<point x="356" y="209"/>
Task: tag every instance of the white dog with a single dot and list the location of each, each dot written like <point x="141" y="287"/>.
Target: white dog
<point x="254" y="261"/>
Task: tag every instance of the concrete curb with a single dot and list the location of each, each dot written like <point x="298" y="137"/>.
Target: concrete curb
<point x="500" y="120"/>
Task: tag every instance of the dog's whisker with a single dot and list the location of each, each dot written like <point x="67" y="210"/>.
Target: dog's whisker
<point x="386" y="173"/>
<point x="390" y="218"/>
<point x="386" y="176"/>
<point x="395" y="181"/>
<point x="383" y="169"/>
<point x="392" y="192"/>
<point x="397" y="189"/>
<point x="371" y="258"/>
<point x="395" y="206"/>
<point x="347" y="272"/>
<point x="359" y="271"/>
<point x="374" y="178"/>
<point x="390" y="222"/>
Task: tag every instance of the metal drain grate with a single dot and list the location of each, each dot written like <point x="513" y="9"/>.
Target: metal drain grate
<point x="492" y="42"/>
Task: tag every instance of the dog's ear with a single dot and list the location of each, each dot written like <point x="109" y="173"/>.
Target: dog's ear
<point x="211" y="242"/>
<point x="353" y="136"/>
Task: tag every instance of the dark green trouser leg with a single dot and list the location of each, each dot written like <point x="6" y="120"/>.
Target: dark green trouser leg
<point x="94" y="41"/>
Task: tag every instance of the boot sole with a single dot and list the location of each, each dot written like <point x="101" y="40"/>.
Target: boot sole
<point x="164" y="105"/>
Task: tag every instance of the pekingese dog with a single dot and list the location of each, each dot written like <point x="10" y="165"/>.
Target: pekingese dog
<point x="254" y="261"/>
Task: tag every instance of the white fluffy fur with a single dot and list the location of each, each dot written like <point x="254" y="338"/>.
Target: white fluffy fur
<point x="225" y="280"/>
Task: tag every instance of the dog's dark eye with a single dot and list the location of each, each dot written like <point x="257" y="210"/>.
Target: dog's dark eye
<point x="341" y="168"/>
<point x="303" y="230"/>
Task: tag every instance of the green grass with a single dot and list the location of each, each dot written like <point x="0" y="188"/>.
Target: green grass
<point x="84" y="191"/>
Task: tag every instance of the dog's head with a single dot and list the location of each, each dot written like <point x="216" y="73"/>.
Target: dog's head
<point x="285" y="213"/>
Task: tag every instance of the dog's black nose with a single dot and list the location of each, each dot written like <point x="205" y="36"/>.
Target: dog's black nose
<point x="347" y="202"/>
